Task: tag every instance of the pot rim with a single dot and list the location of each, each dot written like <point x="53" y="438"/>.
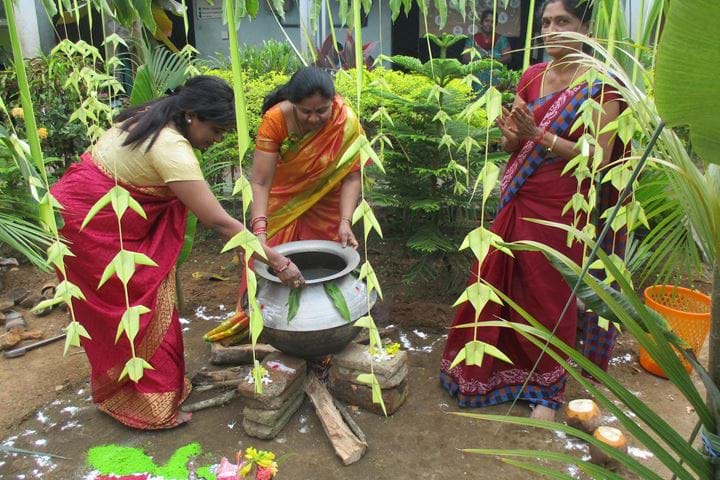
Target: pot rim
<point x="348" y="254"/>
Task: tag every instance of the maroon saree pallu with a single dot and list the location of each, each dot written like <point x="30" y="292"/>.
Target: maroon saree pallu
<point x="152" y="402"/>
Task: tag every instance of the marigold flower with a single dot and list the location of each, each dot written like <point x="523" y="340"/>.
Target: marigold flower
<point x="17" y="112"/>
<point x="42" y="132"/>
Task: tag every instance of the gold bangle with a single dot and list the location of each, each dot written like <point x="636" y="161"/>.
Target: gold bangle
<point x="554" y="141"/>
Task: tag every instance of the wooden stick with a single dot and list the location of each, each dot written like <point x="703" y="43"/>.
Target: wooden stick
<point x="342" y="408"/>
<point x="346" y="444"/>
<point x="211" y="402"/>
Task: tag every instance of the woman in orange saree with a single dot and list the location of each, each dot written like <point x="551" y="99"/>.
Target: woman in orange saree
<point x="149" y="152"/>
<point x="299" y="193"/>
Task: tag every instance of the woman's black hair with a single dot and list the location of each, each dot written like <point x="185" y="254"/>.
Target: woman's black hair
<point x="485" y="14"/>
<point x="209" y="98"/>
<point x="580" y="9"/>
<point x="304" y="83"/>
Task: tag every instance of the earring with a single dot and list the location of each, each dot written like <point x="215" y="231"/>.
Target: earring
<point x="189" y="121"/>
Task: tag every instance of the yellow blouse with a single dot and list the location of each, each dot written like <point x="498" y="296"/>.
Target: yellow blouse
<point x="170" y="159"/>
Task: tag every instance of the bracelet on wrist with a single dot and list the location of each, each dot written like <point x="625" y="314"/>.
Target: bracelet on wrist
<point x="552" y="145"/>
<point x="257" y="220"/>
<point x="284" y="267"/>
<point x="345" y="219"/>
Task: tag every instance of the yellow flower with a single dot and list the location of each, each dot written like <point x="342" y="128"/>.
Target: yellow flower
<point x="245" y="470"/>
<point x="42" y="132"/>
<point x="261" y="458"/>
<point x="392" y="349"/>
<point x="250" y="453"/>
<point x="17" y="112"/>
<point x="265" y="459"/>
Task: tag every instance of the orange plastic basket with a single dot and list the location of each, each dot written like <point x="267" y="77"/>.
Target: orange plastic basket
<point x="688" y="313"/>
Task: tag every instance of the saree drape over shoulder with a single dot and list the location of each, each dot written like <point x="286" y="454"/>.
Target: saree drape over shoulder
<point x="532" y="187"/>
<point x="304" y="199"/>
<point x="151" y="403"/>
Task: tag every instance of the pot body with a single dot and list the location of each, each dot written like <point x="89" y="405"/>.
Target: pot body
<point x="317" y="329"/>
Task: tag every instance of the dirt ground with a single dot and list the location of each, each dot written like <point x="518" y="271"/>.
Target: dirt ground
<point x="45" y="400"/>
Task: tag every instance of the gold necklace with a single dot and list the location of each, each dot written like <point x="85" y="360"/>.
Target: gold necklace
<point x="547" y="69"/>
<point x="297" y="122"/>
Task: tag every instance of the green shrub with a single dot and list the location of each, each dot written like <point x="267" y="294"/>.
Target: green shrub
<point x="271" y="56"/>
<point x="54" y="104"/>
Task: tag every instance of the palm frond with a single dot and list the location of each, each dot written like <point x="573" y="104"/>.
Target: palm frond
<point x="25" y="237"/>
<point x="162" y="71"/>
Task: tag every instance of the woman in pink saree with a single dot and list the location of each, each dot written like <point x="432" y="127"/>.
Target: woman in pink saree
<point x="150" y="153"/>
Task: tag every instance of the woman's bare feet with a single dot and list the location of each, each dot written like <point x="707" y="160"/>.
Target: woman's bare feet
<point x="182" y="417"/>
<point x="541" y="412"/>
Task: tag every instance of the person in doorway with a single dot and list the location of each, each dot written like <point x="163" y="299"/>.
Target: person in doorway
<point x="496" y="47"/>
<point x="149" y="152"/>
<point x="538" y="135"/>
<point x="299" y="191"/>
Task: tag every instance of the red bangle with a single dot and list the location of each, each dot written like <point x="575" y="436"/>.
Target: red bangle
<point x="258" y="219"/>
<point x="284" y="267"/>
<point x="539" y="136"/>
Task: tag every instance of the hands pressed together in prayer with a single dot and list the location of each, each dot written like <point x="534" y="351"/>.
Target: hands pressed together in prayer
<point x="517" y="125"/>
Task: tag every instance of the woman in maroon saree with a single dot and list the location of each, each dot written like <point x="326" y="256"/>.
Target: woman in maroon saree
<point x="537" y="133"/>
<point x="150" y="152"/>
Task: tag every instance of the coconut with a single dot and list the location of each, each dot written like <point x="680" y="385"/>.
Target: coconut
<point x="583" y="414"/>
<point x="611" y="437"/>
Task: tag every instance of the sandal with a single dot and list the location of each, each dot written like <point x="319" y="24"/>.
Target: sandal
<point x="15" y="319"/>
<point x="47" y="292"/>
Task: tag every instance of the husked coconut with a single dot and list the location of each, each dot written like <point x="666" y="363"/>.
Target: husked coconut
<point x="611" y="437"/>
<point x="583" y="414"/>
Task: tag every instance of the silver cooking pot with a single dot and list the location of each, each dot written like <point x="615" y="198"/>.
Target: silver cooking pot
<point x="318" y="328"/>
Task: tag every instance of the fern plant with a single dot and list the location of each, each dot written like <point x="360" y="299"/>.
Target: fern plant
<point x="426" y="184"/>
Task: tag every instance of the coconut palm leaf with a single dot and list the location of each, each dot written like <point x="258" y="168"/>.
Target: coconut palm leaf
<point x="162" y="71"/>
<point x="655" y="343"/>
<point x="660" y="355"/>
<point x="539" y="336"/>
<point x="624" y="459"/>
<point x="592" y="469"/>
<point x="25" y="237"/>
<point x="530" y="467"/>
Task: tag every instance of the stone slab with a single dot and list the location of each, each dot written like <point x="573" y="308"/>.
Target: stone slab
<point x="361" y="396"/>
<point x="271" y="418"/>
<point x="6" y="304"/>
<point x="357" y="357"/>
<point x="238" y="354"/>
<point x="17" y="295"/>
<point x="348" y="375"/>
<point x="265" y="432"/>
<point x="284" y="371"/>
